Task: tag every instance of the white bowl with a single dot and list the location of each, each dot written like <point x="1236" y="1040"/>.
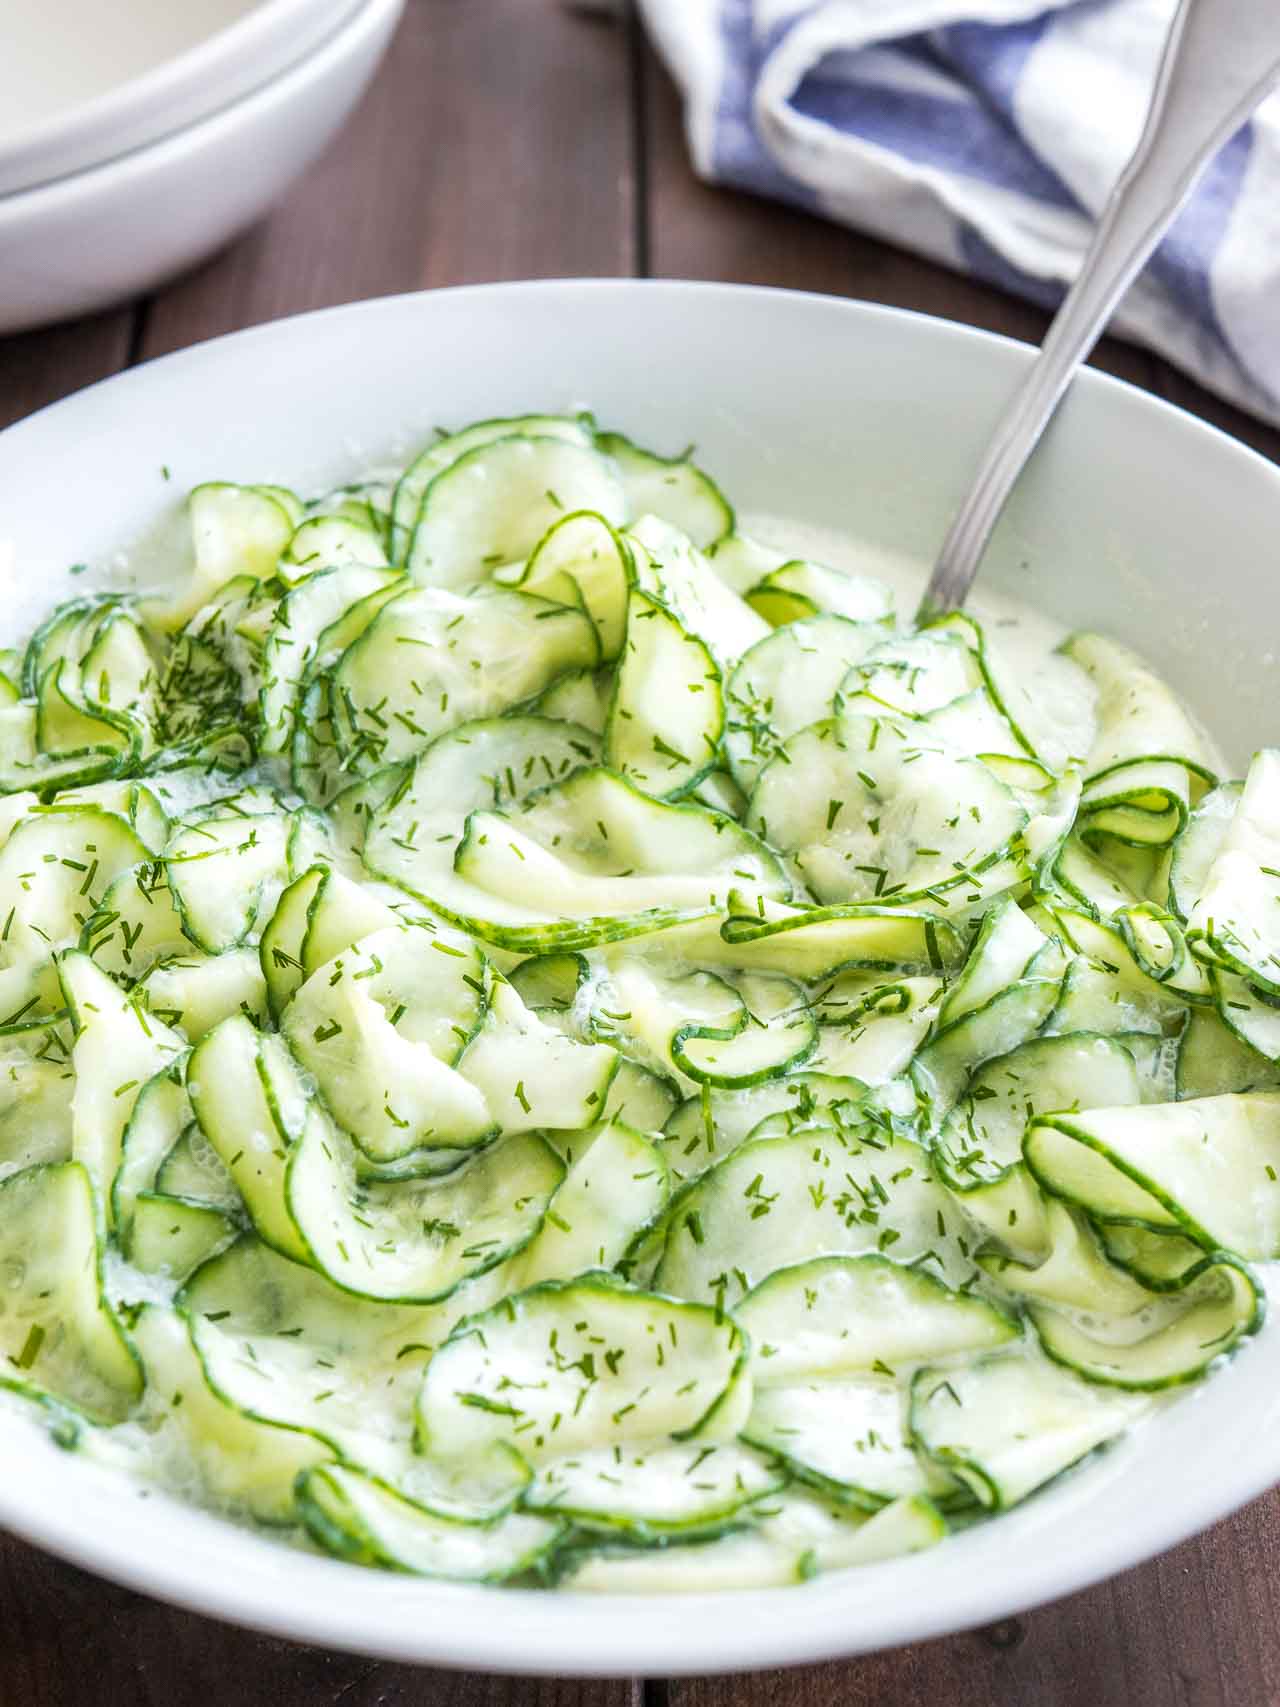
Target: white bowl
<point x="1134" y="518"/>
<point x="115" y="230"/>
<point x="82" y="82"/>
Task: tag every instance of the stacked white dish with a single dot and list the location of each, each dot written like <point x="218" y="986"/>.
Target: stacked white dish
<point x="136" y="139"/>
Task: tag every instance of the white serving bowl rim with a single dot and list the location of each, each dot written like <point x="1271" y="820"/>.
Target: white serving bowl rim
<point x="1199" y="1461"/>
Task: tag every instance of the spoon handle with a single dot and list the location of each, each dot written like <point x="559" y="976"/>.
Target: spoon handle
<point x="1219" y="60"/>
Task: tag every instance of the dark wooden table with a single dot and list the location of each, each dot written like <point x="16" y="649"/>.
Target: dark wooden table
<point x="514" y="139"/>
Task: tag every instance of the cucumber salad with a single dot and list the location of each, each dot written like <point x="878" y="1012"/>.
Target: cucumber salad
<point x="548" y="1041"/>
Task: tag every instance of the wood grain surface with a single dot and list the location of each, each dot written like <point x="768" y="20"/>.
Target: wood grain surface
<point x="512" y="139"/>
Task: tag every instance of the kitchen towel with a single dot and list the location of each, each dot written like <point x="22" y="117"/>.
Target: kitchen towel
<point x="987" y="134"/>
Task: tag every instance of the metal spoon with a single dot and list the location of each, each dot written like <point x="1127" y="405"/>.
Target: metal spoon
<point x="1220" y="58"/>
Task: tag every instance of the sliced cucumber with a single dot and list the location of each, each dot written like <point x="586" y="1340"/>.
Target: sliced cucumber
<point x="1148" y="760"/>
<point x="1006" y="1425"/>
<point x="580" y="561"/>
<point x="796" y="1536"/>
<point x="814" y="942"/>
<point x="583" y="1366"/>
<point x="785" y="682"/>
<point x="430" y="661"/>
<point x="667" y="715"/>
<point x="357" y="1518"/>
<point x="448" y="447"/>
<point x="871" y="812"/>
<point x="1173" y="1166"/>
<point x="244" y="1461"/>
<point x="798" y="589"/>
<point x="292" y="646"/>
<point x="672" y="488"/>
<point x="492" y="504"/>
<point x="57" y="1329"/>
<point x="773" y="1202"/>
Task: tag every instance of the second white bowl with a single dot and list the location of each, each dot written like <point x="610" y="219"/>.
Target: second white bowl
<point x="110" y="232"/>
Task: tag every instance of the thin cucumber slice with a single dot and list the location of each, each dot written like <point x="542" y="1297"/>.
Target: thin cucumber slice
<point x="293" y="642"/>
<point x="58" y="1330"/>
<point x="919" y="673"/>
<point x="640" y="1098"/>
<point x="318" y="915"/>
<point x="1006" y="1425"/>
<point x="590" y="1364"/>
<point x="593" y="858"/>
<point x="974" y="724"/>
<point x="706" y="1127"/>
<point x="530" y="1075"/>
<point x="171" y="1238"/>
<point x="667" y="714"/>
<point x="1006" y="944"/>
<point x="1230" y="923"/>
<point x="1167" y="1343"/>
<point x="357" y="1518"/>
<point x="1199" y="844"/>
<point x="785" y="682"/>
<point x="243" y="1461"/>
<point x="978" y="1151"/>
<point x="617" y="1185"/>
<point x="814" y="942"/>
<point x="343" y="1369"/>
<point x="1148" y="758"/>
<point x="699" y="1025"/>
<point x="1105" y="988"/>
<point x="796" y="1536"/>
<point x="944" y="1066"/>
<point x="669" y="566"/>
<point x="225" y="875"/>
<point x="320" y="543"/>
<point x="1214" y="1059"/>
<point x="657" y="1490"/>
<point x="1250" y="1014"/>
<point x="873" y="1035"/>
<point x="1076" y="1273"/>
<point x="448" y="447"/>
<point x="430" y="661"/>
<point x="414" y="1240"/>
<point x="799" y="589"/>
<point x="1172" y="1165"/>
<point x="197" y="992"/>
<point x="773" y="1202"/>
<point x="135" y="925"/>
<point x="740" y="561"/>
<point x="580" y="561"/>
<point x="247" y="1125"/>
<point x="118" y="1048"/>
<point x="871" y="812"/>
<point x="672" y="488"/>
<point x="37" y="1085"/>
<point x="836" y="1316"/>
<point x="68" y="730"/>
<point x="194" y="1171"/>
<point x="414" y="832"/>
<point x="380" y="1028"/>
<point x="54" y="868"/>
<point x="493" y="504"/>
<point x="160" y="1114"/>
<point x="581" y="697"/>
<point x="235" y="531"/>
<point x="848" y="1438"/>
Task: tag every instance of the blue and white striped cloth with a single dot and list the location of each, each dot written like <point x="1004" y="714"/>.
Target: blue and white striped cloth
<point x="986" y="134"/>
